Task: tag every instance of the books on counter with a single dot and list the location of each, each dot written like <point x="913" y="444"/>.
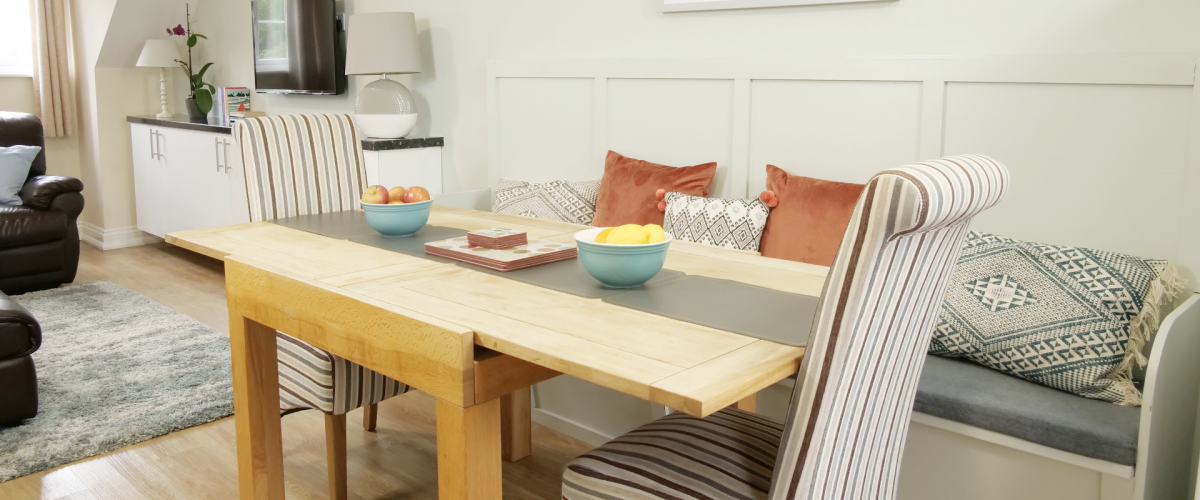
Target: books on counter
<point x="532" y="253"/>
<point x="232" y="104"/>
<point x="497" y="238"/>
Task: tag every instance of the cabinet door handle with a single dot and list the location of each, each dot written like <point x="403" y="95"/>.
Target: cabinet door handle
<point x="225" y="151"/>
<point x="152" y="144"/>
<point x="157" y="141"/>
<point x="217" y="151"/>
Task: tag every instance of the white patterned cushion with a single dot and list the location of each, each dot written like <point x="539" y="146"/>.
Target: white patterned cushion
<point x="563" y="201"/>
<point x="1070" y="318"/>
<point x="736" y="224"/>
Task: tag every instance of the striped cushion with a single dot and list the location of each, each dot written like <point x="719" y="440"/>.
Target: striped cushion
<point x="730" y="454"/>
<point x="312" y="378"/>
<point x="301" y="164"/>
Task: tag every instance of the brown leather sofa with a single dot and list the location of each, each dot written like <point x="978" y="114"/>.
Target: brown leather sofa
<point x="20" y="336"/>
<point x="39" y="241"/>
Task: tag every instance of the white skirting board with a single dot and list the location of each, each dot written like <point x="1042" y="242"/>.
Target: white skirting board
<point x="111" y="239"/>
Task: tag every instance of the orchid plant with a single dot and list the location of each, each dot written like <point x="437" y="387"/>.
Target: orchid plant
<point x="200" y="91"/>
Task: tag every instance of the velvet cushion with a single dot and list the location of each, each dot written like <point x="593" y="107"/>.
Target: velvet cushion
<point x="811" y="218"/>
<point x="628" y="186"/>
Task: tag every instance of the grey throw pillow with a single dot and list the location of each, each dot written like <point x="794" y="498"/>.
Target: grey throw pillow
<point x="563" y="201"/>
<point x="1070" y="318"/>
<point x="14" y="168"/>
<point x="736" y="224"/>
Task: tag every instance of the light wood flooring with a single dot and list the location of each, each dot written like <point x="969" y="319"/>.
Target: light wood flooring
<point x="398" y="461"/>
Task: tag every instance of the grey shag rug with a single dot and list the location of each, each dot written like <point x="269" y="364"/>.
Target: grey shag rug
<point x="115" y="368"/>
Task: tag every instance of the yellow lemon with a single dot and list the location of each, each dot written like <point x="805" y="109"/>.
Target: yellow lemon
<point x="656" y="233"/>
<point x="629" y="234"/>
<point x="603" y="236"/>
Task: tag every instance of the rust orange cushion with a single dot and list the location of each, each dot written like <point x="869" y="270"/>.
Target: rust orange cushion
<point x="811" y="218"/>
<point x="628" y="186"/>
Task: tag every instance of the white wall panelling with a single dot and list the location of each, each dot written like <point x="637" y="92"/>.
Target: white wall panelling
<point x="1104" y="151"/>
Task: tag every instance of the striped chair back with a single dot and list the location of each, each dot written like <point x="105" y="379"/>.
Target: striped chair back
<point x="301" y="164"/>
<point x="850" y="411"/>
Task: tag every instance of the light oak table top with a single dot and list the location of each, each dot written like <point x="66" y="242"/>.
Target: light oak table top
<point x="681" y="365"/>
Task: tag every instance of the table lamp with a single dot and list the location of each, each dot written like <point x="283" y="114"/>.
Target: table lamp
<point x="380" y="44"/>
<point x="160" y="54"/>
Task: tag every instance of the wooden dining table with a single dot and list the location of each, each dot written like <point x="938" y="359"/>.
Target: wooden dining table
<point x="474" y="340"/>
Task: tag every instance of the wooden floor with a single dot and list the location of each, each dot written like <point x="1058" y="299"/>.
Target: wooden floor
<point x="398" y="461"/>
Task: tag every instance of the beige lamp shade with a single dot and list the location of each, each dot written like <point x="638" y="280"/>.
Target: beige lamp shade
<point x="382" y="43"/>
<point x="159" y="54"/>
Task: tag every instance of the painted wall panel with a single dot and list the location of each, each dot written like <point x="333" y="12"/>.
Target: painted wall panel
<point x="1099" y="166"/>
<point x="836" y="130"/>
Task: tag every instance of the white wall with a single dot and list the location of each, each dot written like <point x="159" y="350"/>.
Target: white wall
<point x="459" y="37"/>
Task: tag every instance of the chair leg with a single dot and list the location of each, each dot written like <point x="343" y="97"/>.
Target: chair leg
<point x="370" y="416"/>
<point x="335" y="455"/>
<point x="516" y="425"/>
<point x="749" y="403"/>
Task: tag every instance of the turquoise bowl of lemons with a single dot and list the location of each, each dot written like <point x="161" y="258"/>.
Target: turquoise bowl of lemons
<point x="621" y="266"/>
<point x="398" y="220"/>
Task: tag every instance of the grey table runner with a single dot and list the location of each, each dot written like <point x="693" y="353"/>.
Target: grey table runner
<point x="726" y="305"/>
<point x="722" y="304"/>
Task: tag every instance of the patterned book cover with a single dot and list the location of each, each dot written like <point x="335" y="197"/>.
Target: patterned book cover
<point x="237" y="102"/>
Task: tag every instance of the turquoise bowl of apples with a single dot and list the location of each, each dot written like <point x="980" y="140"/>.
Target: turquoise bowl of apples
<point x="396" y="219"/>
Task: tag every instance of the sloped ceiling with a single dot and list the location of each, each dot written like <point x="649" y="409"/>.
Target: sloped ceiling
<point x="135" y="21"/>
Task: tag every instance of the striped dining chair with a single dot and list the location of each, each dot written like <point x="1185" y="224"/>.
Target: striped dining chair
<point x="847" y="422"/>
<point x="300" y="165"/>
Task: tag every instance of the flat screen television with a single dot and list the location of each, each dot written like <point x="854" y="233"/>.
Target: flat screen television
<point x="298" y="47"/>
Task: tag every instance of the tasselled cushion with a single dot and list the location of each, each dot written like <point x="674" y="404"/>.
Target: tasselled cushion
<point x="736" y="224"/>
<point x="627" y="190"/>
<point x="1075" y="319"/>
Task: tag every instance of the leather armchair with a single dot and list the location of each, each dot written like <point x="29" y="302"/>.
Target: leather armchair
<point x="39" y="239"/>
<point x="20" y="336"/>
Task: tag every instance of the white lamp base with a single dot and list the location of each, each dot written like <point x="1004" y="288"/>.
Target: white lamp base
<point x="386" y="126"/>
<point x="162" y="93"/>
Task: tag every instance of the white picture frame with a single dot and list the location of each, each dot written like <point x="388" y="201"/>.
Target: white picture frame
<point x="697" y="5"/>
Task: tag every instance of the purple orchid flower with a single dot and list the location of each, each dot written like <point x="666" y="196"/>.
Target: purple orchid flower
<point x="177" y="30"/>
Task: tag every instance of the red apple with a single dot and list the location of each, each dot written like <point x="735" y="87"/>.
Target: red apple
<point x="416" y="194"/>
<point x="396" y="195"/>
<point x="375" y="194"/>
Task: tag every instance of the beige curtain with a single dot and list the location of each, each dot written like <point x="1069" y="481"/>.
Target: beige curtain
<point x="51" y="67"/>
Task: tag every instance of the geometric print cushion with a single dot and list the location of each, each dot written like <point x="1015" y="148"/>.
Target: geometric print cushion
<point x="735" y="224"/>
<point x="1070" y="318"/>
<point x="314" y="378"/>
<point x="563" y="201"/>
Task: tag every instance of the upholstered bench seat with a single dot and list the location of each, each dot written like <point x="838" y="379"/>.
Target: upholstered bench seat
<point x="729" y="455"/>
<point x="981" y="397"/>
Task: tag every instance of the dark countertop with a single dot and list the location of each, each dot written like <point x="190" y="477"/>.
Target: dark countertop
<point x="182" y="121"/>
<point x="403" y="143"/>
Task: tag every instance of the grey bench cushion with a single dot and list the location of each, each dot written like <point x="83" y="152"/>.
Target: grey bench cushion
<point x="978" y="396"/>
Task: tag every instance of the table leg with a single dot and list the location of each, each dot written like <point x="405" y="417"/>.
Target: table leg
<point x="335" y="455"/>
<point x="468" y="443"/>
<point x="516" y="425"/>
<point x="748" y="403"/>
<point x="256" y="409"/>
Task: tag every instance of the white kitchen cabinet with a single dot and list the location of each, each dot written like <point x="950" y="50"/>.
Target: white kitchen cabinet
<point x="186" y="179"/>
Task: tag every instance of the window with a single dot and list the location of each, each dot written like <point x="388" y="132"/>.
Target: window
<point x="271" y="16"/>
<point x="16" y="46"/>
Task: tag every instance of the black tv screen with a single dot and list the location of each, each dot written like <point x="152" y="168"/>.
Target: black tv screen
<point x="298" y="47"/>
